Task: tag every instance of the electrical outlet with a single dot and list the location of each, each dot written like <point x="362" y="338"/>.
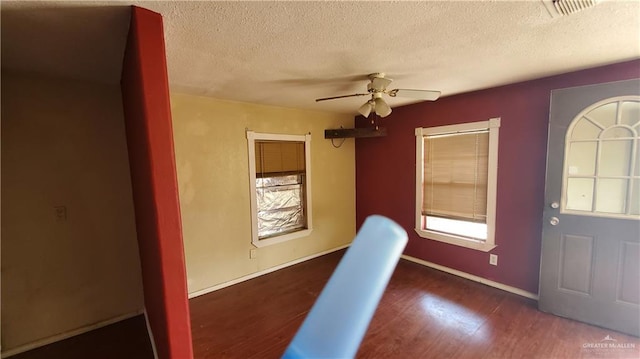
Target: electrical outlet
<point x="493" y="259"/>
<point x="253" y="253"/>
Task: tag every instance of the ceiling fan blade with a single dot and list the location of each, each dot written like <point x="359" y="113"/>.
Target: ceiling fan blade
<point x="336" y="97"/>
<point x="380" y="83"/>
<point x="417" y="94"/>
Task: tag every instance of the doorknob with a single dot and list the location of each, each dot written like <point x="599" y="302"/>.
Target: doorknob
<point x="554" y="205"/>
<point x="554" y="221"/>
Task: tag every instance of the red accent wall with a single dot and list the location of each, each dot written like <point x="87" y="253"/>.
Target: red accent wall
<point x="145" y="93"/>
<point x="385" y="170"/>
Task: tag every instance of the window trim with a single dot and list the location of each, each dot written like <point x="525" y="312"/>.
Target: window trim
<point x="251" y="140"/>
<point x="493" y="126"/>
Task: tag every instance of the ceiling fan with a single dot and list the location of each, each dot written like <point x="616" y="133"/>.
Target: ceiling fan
<point x="378" y="86"/>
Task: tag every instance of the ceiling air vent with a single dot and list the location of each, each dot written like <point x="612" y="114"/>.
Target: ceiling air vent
<point x="559" y="8"/>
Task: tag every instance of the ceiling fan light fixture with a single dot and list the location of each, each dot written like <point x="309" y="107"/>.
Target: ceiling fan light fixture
<point x="377" y="87"/>
<point x="382" y="108"/>
<point x="365" y="109"/>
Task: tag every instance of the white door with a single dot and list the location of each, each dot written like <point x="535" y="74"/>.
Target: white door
<point x="590" y="264"/>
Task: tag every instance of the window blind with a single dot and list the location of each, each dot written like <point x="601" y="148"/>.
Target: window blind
<point x="455" y="176"/>
<point x="279" y="158"/>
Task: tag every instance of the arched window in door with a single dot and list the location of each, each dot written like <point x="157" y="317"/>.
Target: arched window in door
<point x="601" y="174"/>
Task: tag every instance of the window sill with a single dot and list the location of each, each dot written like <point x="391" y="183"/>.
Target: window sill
<point x="283" y="238"/>
<point x="483" y="246"/>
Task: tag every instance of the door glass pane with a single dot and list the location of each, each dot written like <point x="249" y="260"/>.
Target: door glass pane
<point x="605" y="115"/>
<point x="637" y="166"/>
<point x="635" y="197"/>
<point x="617" y="132"/>
<point x="580" y="194"/>
<point x="630" y="113"/>
<point x="615" y="158"/>
<point x="585" y="130"/>
<point x="603" y="151"/>
<point x="582" y="158"/>
<point x="612" y="195"/>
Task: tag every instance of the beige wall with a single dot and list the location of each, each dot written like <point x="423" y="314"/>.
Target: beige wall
<point x="213" y="176"/>
<point x="63" y="144"/>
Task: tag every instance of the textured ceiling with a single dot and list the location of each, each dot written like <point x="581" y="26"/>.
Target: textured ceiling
<point x="289" y="53"/>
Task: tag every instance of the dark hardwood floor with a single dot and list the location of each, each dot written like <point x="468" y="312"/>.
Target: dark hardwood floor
<point x="127" y="339"/>
<point x="424" y="313"/>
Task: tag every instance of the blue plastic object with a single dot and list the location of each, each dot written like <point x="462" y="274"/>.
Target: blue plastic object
<point x="338" y="320"/>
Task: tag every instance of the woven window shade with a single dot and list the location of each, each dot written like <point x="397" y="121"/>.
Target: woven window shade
<point x="455" y="176"/>
<point x="279" y="158"/>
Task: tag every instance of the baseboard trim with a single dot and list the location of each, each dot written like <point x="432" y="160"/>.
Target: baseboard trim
<point x="439" y="267"/>
<point x="472" y="277"/>
<point x="66" y="335"/>
<point x="204" y="291"/>
<point x="151" y="338"/>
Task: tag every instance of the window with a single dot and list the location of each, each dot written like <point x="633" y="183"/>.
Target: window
<point x="601" y="175"/>
<point x="280" y="187"/>
<point x="456" y="175"/>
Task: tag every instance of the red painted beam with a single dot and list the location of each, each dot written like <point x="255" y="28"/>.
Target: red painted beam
<point x="145" y="94"/>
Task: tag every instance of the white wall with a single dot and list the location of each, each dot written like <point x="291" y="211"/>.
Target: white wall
<point x="63" y="144"/>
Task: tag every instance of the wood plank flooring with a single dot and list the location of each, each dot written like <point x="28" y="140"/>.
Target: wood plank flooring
<point x="127" y="339"/>
<point x="424" y="313"/>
